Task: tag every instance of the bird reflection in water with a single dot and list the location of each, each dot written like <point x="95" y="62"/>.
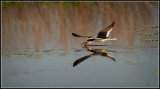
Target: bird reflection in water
<point x="95" y="52"/>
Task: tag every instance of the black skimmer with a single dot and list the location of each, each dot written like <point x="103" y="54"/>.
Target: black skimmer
<point x="101" y="52"/>
<point x="103" y="35"/>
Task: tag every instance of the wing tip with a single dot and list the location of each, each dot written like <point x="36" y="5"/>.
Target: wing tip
<point x="75" y="35"/>
<point x="113" y="24"/>
<point x="74" y="65"/>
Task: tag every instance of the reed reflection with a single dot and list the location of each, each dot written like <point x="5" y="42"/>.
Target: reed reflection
<point x="95" y="52"/>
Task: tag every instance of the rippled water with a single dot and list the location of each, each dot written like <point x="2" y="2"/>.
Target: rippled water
<point x="38" y="49"/>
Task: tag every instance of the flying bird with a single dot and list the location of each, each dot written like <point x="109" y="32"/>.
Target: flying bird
<point x="103" y="35"/>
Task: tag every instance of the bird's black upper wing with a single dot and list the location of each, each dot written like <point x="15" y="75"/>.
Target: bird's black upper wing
<point x="105" y="32"/>
<point x="76" y="35"/>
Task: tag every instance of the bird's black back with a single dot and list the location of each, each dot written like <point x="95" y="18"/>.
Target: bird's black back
<point x="103" y="33"/>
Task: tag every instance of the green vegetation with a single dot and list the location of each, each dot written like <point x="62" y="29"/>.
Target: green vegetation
<point x="92" y="6"/>
<point x="148" y="33"/>
<point x="151" y="26"/>
<point x="44" y="52"/>
<point x="153" y="32"/>
<point x="40" y="3"/>
<point x="155" y="73"/>
<point x="8" y="3"/>
<point x="150" y="40"/>
<point x="140" y="47"/>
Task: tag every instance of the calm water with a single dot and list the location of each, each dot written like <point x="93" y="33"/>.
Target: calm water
<point x="131" y="61"/>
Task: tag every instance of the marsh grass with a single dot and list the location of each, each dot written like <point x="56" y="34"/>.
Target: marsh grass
<point x="37" y="24"/>
<point x="44" y="52"/>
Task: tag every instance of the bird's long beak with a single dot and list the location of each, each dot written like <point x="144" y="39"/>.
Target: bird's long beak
<point x="85" y="46"/>
<point x="85" y="43"/>
<point x="82" y="43"/>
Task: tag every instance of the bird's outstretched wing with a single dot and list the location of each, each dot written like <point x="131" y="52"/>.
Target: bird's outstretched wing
<point x="76" y="35"/>
<point x="81" y="59"/>
<point x="105" y="32"/>
<point x="106" y="55"/>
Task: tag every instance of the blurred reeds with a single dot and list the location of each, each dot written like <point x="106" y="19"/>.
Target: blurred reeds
<point x="37" y="24"/>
